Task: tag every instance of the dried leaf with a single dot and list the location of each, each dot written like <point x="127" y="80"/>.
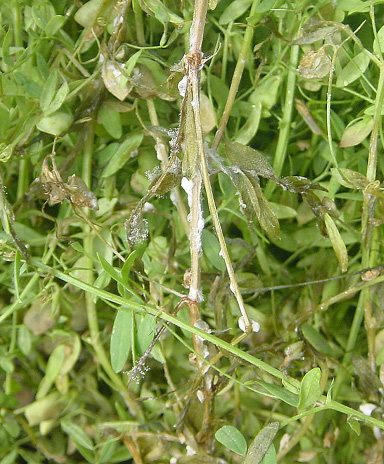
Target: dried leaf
<point x="40" y="318"/>
<point x="171" y="179"/>
<point x="253" y="198"/>
<point x="315" y="64"/>
<point x="137" y="228"/>
<point x="79" y="194"/>
<point x="75" y="190"/>
<point x="312" y="35"/>
<point x="115" y="80"/>
<point x="299" y="184"/>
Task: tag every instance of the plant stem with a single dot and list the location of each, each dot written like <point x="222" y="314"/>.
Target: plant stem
<point x="162" y="155"/>
<point x="237" y="74"/>
<point x="285" y="124"/>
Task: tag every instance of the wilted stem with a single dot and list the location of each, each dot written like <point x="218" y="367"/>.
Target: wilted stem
<point x="194" y="63"/>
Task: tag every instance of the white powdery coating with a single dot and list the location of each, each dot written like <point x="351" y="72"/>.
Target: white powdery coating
<point x="115" y="69"/>
<point x="196" y="294"/>
<point x="187" y="185"/>
<point x="148" y="207"/>
<point x="182" y="86"/>
<point x="367" y="408"/>
<point x="255" y="325"/>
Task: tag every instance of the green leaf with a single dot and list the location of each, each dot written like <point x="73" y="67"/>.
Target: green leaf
<point x="356" y="132"/>
<point x="110" y="270"/>
<point x="234" y="9"/>
<point x="49" y="90"/>
<point x="211" y="250"/>
<point x="249" y="129"/>
<point x="232" y="438"/>
<point x="279" y="392"/>
<point x="111" y="121"/>
<point x="30" y="86"/>
<point x="121" y="339"/>
<point x="353" y="70"/>
<point x="77" y="434"/>
<point x="283" y="211"/>
<point x="86" y="15"/>
<point x="354" y="424"/>
<point x="145" y="332"/>
<point x="7" y="40"/>
<point x="349" y="178"/>
<point x="131" y="63"/>
<point x="24" y="340"/>
<point x="270" y="456"/>
<point x="378" y="43"/>
<point x="123" y="153"/>
<point x="337" y="242"/>
<point x="54" y="365"/>
<point x="58" y="99"/>
<point x="354" y="6"/>
<point x="310" y="390"/>
<point x="163" y="14"/>
<point x="54" y="24"/>
<point x="55" y="124"/>
<point x="261" y="444"/>
<point x="321" y="344"/>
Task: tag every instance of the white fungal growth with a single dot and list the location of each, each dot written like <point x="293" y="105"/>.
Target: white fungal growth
<point x="367" y="408"/>
<point x="196" y="294"/>
<point x="241" y="323"/>
<point x="182" y="86"/>
<point x="148" y="207"/>
<point x="187" y="185"/>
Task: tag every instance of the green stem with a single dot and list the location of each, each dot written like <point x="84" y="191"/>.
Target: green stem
<point x="245" y="48"/>
<point x="139" y="23"/>
<point x="285" y="124"/>
<point x="23" y="174"/>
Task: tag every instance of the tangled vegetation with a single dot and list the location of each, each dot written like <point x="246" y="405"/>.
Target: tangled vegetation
<point x="191" y="248"/>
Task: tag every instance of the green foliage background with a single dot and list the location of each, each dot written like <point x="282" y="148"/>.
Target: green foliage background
<point x="92" y="90"/>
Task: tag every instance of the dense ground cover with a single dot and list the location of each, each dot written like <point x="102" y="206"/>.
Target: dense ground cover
<point x="191" y="244"/>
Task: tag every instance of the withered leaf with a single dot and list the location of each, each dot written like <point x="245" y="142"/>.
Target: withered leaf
<point x="137" y="228"/>
<point x="254" y="203"/>
<point x="299" y="184"/>
<point x="315" y="64"/>
<point x="75" y="190"/>
<point x="79" y="193"/>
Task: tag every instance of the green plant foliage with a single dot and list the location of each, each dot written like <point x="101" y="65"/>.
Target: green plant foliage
<point x="231" y="438"/>
<point x="191" y="210"/>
